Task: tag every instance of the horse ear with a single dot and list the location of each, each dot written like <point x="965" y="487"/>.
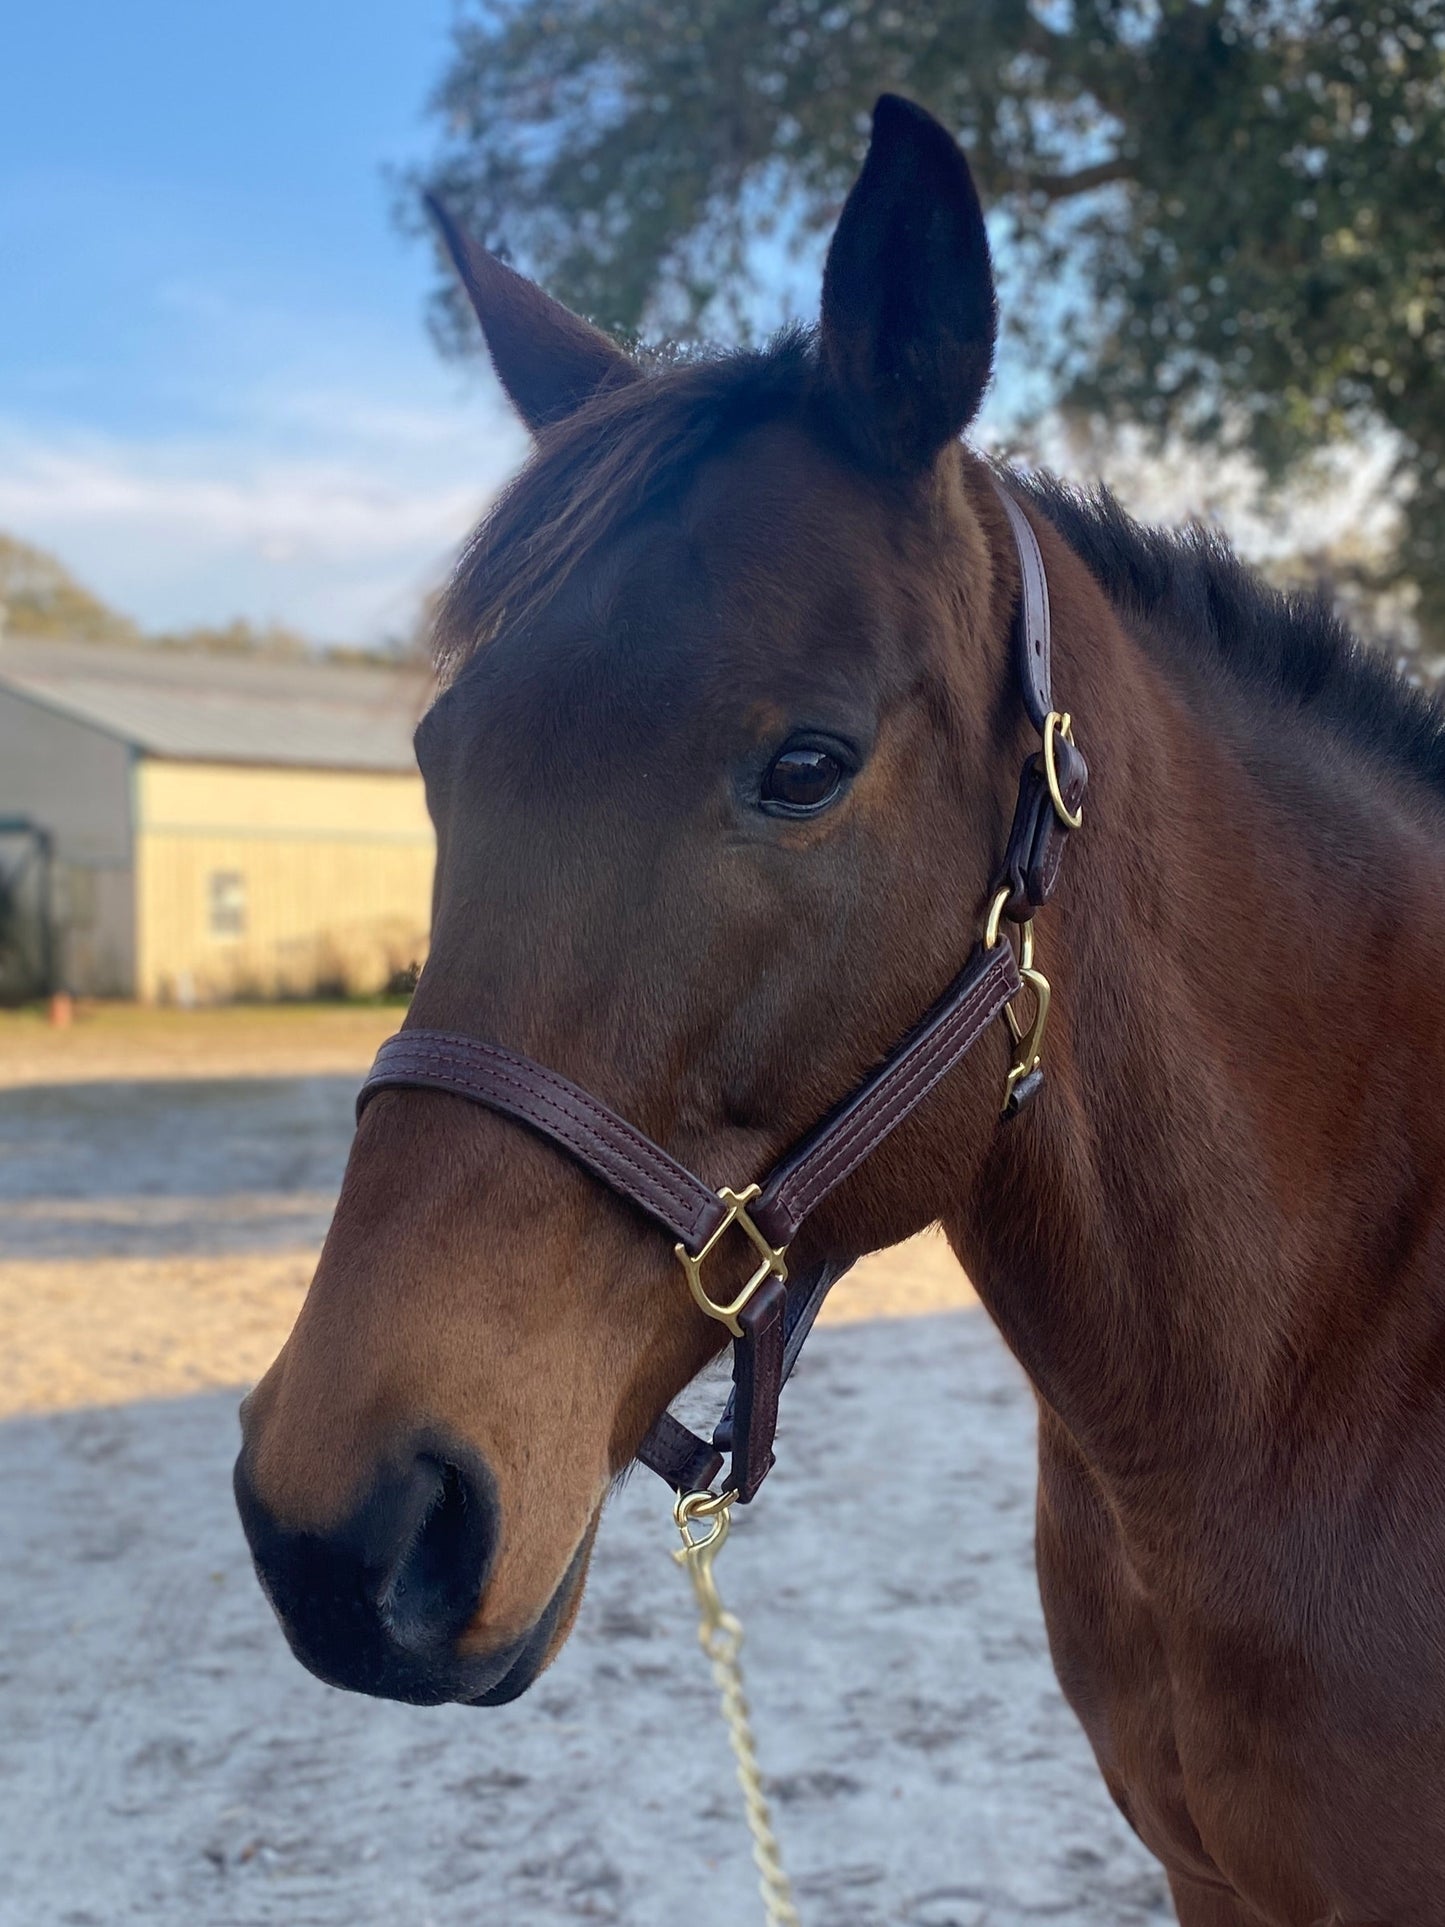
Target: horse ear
<point x="909" y="314"/>
<point x="548" y="359"/>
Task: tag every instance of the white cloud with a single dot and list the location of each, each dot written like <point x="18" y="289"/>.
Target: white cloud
<point x="330" y="511"/>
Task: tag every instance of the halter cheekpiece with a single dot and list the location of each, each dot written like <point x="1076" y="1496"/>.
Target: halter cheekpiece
<point x="771" y="1315"/>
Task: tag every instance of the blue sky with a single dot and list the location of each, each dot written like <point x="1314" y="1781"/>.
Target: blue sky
<point x="217" y="395"/>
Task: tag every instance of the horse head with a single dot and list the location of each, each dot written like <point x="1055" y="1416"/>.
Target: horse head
<point x="722" y="759"/>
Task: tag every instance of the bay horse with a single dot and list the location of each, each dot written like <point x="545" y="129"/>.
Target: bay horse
<point x="720" y="771"/>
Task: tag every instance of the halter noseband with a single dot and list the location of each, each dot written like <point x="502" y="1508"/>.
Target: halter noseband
<point x="772" y="1313"/>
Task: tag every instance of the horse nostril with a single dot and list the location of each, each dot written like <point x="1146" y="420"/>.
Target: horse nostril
<point x="430" y="1587"/>
<point x="377" y="1599"/>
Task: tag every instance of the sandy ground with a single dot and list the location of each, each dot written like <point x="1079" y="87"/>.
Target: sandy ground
<point x="164" y="1760"/>
<point x="106" y="1041"/>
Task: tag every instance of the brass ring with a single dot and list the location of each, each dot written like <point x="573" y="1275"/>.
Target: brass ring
<point x="701" y="1505"/>
<point x="1062" y="725"/>
<point x="995" y="917"/>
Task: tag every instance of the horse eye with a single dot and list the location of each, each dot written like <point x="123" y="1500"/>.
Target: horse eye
<point x="803" y="779"/>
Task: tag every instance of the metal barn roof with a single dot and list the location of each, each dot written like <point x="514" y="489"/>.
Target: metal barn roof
<point x="228" y="709"/>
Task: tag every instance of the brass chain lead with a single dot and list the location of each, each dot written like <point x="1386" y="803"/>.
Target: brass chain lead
<point x="720" y="1634"/>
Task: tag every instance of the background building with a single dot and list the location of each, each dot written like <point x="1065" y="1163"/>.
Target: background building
<point x="208" y="826"/>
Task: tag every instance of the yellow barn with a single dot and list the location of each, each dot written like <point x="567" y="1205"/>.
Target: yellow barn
<point x="193" y="826"/>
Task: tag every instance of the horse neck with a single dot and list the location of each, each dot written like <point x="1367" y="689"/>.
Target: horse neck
<point x="1219" y="1216"/>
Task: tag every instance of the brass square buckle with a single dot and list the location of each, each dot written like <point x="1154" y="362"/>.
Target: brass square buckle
<point x="774" y="1260"/>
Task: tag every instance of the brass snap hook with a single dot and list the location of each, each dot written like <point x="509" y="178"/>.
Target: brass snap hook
<point x="1028" y="1044"/>
<point x="704" y="1519"/>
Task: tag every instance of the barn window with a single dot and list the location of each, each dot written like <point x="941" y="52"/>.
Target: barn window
<point x="226" y="903"/>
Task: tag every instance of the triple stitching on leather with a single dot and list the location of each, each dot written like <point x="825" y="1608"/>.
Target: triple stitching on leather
<point x="574" y="1093"/>
<point x="814" y="1179"/>
<point x="555" y="1091"/>
<point x="540" y="1101"/>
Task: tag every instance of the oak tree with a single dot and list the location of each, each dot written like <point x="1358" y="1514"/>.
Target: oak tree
<point x="1219" y="218"/>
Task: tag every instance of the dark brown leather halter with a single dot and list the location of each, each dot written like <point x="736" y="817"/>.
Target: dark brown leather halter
<point x="773" y="1313"/>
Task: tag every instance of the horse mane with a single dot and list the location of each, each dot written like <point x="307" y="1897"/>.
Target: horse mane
<point x="596" y="470"/>
<point x="1186" y="590"/>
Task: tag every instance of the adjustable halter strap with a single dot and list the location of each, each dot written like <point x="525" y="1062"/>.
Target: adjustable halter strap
<point x="772" y="1314"/>
<point x="1052" y="783"/>
<point x="833" y="1151"/>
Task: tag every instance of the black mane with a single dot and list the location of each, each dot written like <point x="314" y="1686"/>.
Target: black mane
<point x="1187" y="588"/>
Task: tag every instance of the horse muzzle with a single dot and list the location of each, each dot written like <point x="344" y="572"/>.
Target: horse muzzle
<point x="380" y="1601"/>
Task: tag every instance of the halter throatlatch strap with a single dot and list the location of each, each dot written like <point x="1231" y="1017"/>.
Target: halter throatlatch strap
<point x="773" y="1314"/>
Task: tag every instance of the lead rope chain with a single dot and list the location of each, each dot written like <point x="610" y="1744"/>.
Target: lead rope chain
<point x="720" y="1634"/>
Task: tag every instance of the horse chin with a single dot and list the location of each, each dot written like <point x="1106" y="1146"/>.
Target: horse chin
<point x="534" y="1652"/>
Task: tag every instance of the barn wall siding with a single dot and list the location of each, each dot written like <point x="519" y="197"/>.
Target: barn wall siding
<point x="275" y="882"/>
<point x="74" y="780"/>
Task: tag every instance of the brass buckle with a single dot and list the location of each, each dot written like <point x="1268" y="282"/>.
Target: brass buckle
<point x="1028" y="1044"/>
<point x="774" y="1259"/>
<point x="1059" y="724"/>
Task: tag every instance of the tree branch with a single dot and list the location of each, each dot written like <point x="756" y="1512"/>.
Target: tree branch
<point x="1062" y="187"/>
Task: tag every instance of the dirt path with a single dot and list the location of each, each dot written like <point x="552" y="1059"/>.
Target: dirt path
<point x="165" y="1761"/>
<point x="105" y="1331"/>
<point x="107" y="1041"/>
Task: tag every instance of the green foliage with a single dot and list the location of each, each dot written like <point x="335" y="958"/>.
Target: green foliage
<point x="39" y="597"/>
<point x="41" y="600"/>
<point x="238" y="638"/>
<point x="1223" y="217"/>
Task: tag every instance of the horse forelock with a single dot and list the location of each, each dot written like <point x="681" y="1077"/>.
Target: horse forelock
<point x="599" y="469"/>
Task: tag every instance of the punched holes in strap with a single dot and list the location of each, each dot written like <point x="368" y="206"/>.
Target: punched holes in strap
<point x="1034" y="644"/>
<point x="1042" y="819"/>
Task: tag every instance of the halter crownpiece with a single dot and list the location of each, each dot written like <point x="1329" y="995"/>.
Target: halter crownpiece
<point x="771" y="1315"/>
